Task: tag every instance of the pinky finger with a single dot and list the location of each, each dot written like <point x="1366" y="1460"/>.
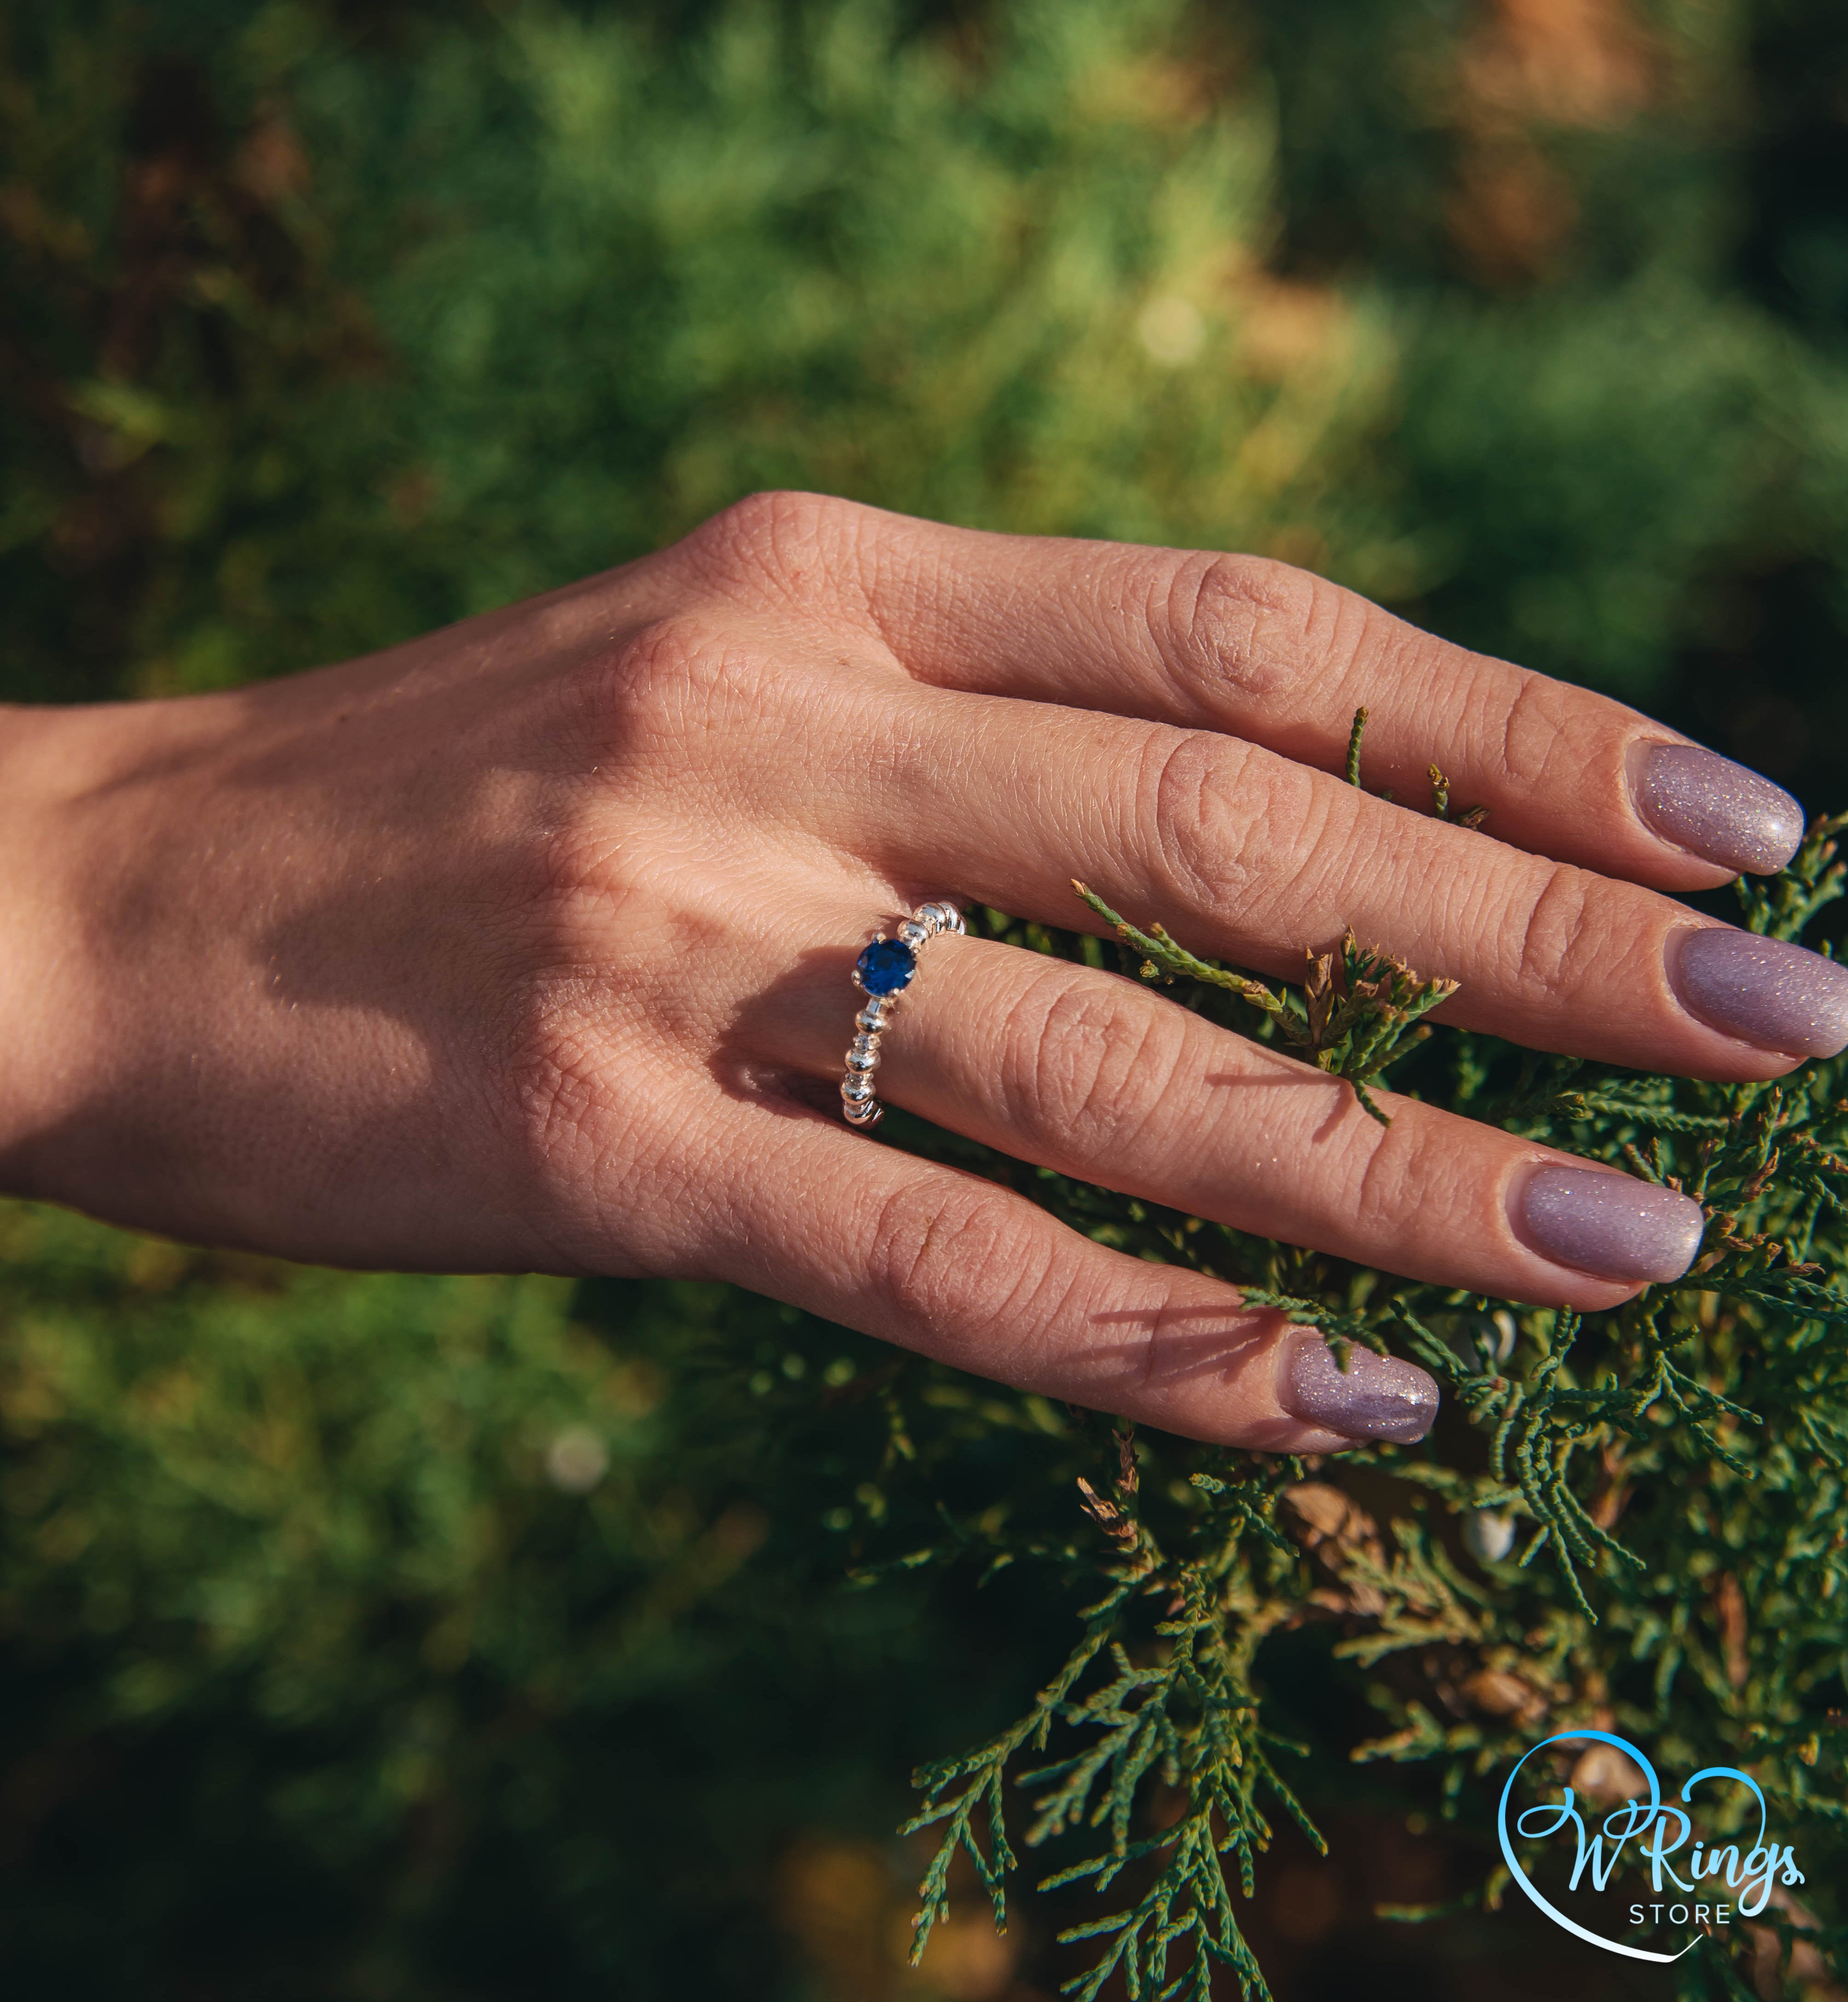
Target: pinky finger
<point x="959" y="1269"/>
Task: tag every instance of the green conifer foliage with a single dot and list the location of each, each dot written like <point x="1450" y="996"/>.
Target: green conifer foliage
<point x="1670" y="1473"/>
<point x="443" y="1637"/>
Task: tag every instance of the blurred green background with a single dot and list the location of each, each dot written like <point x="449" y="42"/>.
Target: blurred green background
<point x="378" y="1636"/>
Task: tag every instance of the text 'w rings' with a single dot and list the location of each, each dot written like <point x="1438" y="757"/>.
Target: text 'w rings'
<point x="883" y="972"/>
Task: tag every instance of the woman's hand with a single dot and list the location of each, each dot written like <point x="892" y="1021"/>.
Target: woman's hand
<point x="527" y="945"/>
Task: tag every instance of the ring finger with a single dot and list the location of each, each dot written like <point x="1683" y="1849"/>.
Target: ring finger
<point x="1086" y="1073"/>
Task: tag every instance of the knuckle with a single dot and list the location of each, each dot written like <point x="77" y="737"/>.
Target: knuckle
<point x="1189" y="826"/>
<point x="962" y="1264"/>
<point x="775" y="541"/>
<point x="1564" y="936"/>
<point x="659" y="668"/>
<point x="1390" y="1175"/>
<point x="1085" y="1063"/>
<point x="1535" y="741"/>
<point x="1220" y="821"/>
<point x="596" y="1111"/>
<point x="1251" y="627"/>
<point x="549" y="1079"/>
<point x="674" y="676"/>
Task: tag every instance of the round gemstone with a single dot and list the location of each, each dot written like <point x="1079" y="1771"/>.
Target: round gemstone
<point x="886" y="965"/>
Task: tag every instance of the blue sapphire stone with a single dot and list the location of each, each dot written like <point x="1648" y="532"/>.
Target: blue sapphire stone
<point x="886" y="965"/>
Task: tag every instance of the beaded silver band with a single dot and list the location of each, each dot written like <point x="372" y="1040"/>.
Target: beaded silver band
<point x="883" y="972"/>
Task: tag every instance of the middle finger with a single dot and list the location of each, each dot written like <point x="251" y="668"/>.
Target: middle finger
<point x="1248" y="855"/>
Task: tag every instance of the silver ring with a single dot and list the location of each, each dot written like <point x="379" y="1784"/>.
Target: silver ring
<point x="883" y="972"/>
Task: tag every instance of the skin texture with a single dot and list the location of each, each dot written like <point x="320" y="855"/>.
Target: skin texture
<point x="526" y="945"/>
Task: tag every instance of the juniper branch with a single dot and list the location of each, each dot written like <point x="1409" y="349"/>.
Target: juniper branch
<point x="1721" y="1398"/>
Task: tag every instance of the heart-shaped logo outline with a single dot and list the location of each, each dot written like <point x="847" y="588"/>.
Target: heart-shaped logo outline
<point x="1638" y="1819"/>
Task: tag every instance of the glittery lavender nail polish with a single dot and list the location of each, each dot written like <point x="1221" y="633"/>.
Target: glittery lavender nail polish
<point x="1375" y="1397"/>
<point x="1612" y="1226"/>
<point x="1716" y="809"/>
<point x="1779" y="996"/>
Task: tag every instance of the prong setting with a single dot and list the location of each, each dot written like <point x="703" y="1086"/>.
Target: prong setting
<point x="885" y="967"/>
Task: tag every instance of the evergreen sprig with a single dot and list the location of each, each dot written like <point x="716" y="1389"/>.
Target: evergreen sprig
<point x="1181" y="1716"/>
<point x="1682" y="1461"/>
<point x="1357" y="1007"/>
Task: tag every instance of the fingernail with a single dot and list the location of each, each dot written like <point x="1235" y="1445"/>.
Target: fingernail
<point x="1375" y="1397"/>
<point x="1611" y="1225"/>
<point x="1716" y="809"/>
<point x="1782" y="997"/>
